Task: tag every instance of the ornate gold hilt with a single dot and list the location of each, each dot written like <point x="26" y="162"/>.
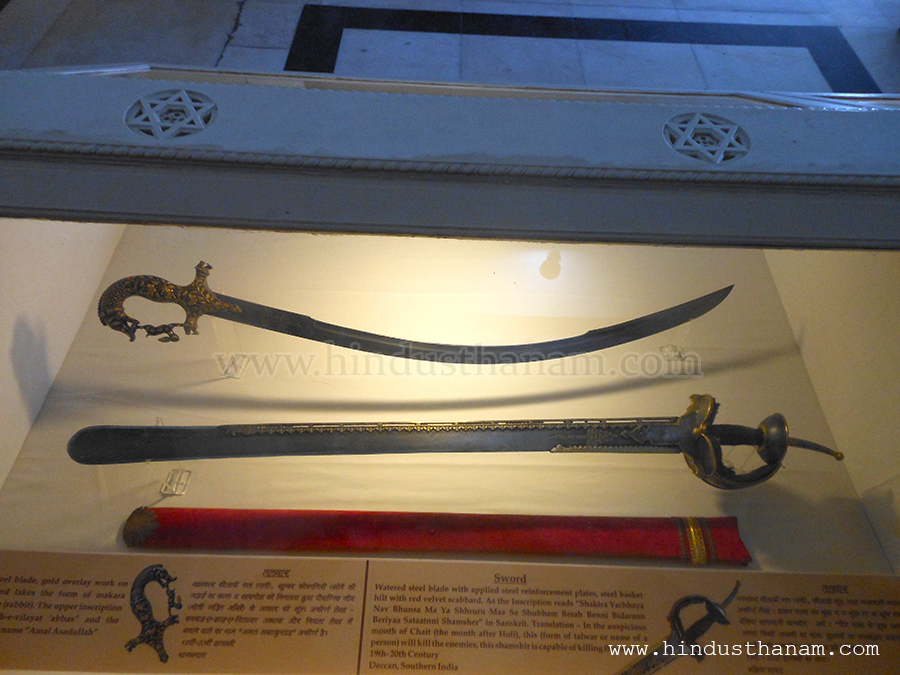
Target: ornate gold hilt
<point x="701" y="443"/>
<point x="195" y="299"/>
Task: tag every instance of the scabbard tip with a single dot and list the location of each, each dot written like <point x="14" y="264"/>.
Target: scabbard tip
<point x="139" y="525"/>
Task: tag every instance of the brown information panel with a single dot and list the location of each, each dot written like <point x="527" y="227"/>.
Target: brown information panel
<point x="184" y="613"/>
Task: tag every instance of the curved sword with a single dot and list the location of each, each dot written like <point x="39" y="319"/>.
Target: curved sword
<point x="196" y="300"/>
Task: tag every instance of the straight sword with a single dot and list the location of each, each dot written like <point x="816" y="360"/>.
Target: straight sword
<point x="692" y="434"/>
<point x="196" y="299"/>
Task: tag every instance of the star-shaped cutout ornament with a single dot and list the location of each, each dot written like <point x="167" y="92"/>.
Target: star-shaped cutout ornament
<point x="171" y="114"/>
<point x="706" y="137"/>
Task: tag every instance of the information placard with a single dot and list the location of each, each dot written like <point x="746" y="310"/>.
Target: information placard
<point x="190" y="613"/>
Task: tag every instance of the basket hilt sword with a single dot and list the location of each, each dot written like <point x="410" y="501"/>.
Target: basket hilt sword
<point x="692" y="434"/>
<point x="683" y="641"/>
<point x="196" y="299"/>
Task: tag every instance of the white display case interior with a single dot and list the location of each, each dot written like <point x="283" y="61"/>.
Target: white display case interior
<point x="804" y="333"/>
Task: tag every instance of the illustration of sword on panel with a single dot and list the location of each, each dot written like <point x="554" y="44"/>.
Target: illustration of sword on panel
<point x="682" y="641"/>
<point x="196" y="299"/>
<point x="693" y="434"/>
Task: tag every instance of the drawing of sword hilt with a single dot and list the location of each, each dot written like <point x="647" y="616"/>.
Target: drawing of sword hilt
<point x="683" y="641"/>
<point x="195" y="299"/>
<point x="715" y="613"/>
<point x="701" y="443"/>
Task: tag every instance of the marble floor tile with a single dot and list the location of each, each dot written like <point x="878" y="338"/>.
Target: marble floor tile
<point x="631" y="12"/>
<point x="891" y="11"/>
<point x="520" y="61"/>
<point x="495" y="45"/>
<point x="754" y="6"/>
<point x="23" y="25"/>
<point x="755" y="18"/>
<point x="517" y="7"/>
<point x="857" y="13"/>
<point x="267" y="24"/>
<point x="766" y="69"/>
<point x="253" y="59"/>
<point x="879" y="49"/>
<point x="399" y="55"/>
<point x="640" y="65"/>
<point x="176" y="32"/>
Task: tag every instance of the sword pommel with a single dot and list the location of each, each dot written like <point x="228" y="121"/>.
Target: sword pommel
<point x="701" y="443"/>
<point x="195" y="299"/>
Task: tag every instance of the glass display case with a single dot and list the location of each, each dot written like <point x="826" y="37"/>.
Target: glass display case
<point x="744" y="352"/>
<point x="457" y="236"/>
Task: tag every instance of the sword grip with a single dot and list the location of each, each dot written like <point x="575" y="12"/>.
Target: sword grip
<point x="195" y="299"/>
<point x="735" y="434"/>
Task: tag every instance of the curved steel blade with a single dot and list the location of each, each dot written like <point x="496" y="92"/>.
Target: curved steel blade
<point x="300" y="325"/>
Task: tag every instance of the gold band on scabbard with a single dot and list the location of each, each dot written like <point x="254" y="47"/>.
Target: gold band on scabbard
<point x="694" y="534"/>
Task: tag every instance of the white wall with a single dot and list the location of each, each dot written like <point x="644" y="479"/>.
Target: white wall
<point x="854" y="363"/>
<point x="49" y="273"/>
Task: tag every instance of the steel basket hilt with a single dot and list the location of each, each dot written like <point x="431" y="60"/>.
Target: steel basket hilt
<point x="195" y="299"/>
<point x="715" y="613"/>
<point x="701" y="443"/>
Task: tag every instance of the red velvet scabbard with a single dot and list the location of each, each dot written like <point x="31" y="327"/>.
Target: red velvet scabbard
<point x="700" y="541"/>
